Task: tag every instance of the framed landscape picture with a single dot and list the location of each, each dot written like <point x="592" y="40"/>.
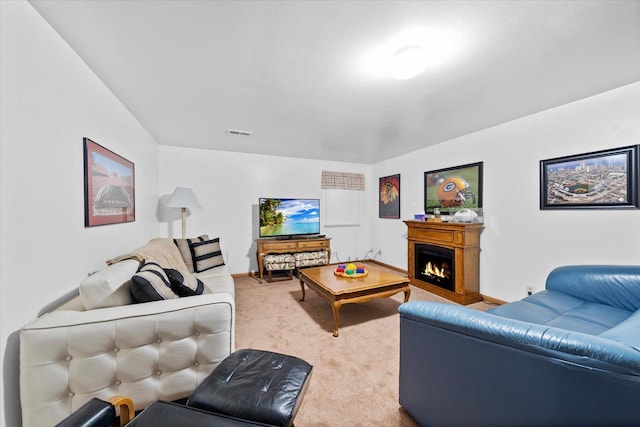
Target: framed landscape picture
<point x="109" y="186"/>
<point x="454" y="188"/>
<point x="389" y="200"/>
<point x="601" y="179"/>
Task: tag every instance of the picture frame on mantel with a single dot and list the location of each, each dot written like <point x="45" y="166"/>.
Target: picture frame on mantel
<point x="109" y="186"/>
<point x="389" y="197"/>
<point x="605" y="179"/>
<point x="450" y="189"/>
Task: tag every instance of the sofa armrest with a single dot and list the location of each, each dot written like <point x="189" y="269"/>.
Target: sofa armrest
<point x="574" y="347"/>
<point x="150" y="351"/>
<point x="614" y="285"/>
<point x="97" y="412"/>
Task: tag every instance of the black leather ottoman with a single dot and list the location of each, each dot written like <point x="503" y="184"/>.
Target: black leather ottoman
<point x="167" y="414"/>
<point x="255" y="385"/>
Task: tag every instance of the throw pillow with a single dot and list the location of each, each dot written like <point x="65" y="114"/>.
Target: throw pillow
<point x="206" y="255"/>
<point x="184" y="286"/>
<point x="110" y="286"/>
<point x="151" y="283"/>
<point x="185" y="251"/>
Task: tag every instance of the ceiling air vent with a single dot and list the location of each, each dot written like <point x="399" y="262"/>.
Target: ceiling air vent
<point x="239" y="132"/>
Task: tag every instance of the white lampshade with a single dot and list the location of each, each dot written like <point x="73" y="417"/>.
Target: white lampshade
<point x="183" y="198"/>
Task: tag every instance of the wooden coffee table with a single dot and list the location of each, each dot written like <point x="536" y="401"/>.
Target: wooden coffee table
<point x="379" y="283"/>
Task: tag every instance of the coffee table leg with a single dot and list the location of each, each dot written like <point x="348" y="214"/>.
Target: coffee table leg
<point x="407" y="294"/>
<point x="302" y="287"/>
<point x="336" y="317"/>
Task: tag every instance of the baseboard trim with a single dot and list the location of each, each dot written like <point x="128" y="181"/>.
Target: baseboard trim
<point x="382" y="264"/>
<point x="247" y="274"/>
<point x="491" y="300"/>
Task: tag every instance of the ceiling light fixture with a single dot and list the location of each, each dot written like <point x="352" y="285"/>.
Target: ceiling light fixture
<point x="407" y="62"/>
<point x="411" y="52"/>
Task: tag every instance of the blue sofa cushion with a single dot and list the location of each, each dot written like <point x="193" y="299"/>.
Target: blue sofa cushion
<point x="563" y="311"/>
<point x="627" y="332"/>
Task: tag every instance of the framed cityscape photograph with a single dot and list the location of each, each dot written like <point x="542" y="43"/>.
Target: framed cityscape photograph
<point x="601" y="179"/>
<point x="109" y="186"/>
<point x="389" y="197"/>
<point x="452" y="189"/>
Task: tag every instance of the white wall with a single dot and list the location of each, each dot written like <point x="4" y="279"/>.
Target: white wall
<point x="520" y="243"/>
<point x="228" y="186"/>
<point x="50" y="101"/>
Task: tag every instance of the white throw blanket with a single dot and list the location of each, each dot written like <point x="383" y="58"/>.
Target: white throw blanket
<point x="160" y="250"/>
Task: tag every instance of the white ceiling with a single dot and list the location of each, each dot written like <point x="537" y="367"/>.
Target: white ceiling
<point x="290" y="71"/>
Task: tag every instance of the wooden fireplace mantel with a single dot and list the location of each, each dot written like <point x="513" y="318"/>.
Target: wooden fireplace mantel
<point x="464" y="240"/>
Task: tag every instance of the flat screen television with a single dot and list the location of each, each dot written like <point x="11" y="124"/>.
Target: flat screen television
<point x="287" y="218"/>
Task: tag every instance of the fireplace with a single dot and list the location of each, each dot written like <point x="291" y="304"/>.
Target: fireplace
<point x="435" y="265"/>
<point x="444" y="258"/>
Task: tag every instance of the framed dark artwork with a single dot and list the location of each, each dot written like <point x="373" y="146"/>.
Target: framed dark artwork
<point x="109" y="186"/>
<point x="601" y="179"/>
<point x="452" y="189"/>
<point x="389" y="201"/>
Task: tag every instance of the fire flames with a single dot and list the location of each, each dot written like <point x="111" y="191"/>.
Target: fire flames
<point x="442" y="271"/>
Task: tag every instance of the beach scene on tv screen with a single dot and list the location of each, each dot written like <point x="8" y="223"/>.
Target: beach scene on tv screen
<point x="281" y="217"/>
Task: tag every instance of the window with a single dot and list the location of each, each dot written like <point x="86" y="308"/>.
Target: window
<point x="342" y="193"/>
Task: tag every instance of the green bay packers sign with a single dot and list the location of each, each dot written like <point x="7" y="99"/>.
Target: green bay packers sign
<point x="453" y="189"/>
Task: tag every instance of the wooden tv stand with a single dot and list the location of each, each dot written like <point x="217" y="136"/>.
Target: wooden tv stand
<point x="289" y="246"/>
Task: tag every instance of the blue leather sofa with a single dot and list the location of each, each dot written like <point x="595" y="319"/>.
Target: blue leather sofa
<point x="566" y="356"/>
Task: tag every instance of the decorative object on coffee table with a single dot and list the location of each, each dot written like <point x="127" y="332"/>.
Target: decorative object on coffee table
<point x="351" y="271"/>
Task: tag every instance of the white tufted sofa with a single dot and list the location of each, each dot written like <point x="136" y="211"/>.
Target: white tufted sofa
<point x="99" y="344"/>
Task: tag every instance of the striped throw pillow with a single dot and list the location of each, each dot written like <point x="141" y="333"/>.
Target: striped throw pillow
<point x="206" y="255"/>
<point x="184" y="286"/>
<point x="151" y="283"/>
<point x="185" y="251"/>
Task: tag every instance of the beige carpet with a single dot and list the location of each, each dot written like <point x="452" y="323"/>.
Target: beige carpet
<point x="355" y="376"/>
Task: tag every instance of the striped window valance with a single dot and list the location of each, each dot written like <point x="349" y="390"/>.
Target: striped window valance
<point x="342" y="181"/>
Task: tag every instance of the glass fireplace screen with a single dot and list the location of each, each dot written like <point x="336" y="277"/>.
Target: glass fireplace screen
<point x="435" y="265"/>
